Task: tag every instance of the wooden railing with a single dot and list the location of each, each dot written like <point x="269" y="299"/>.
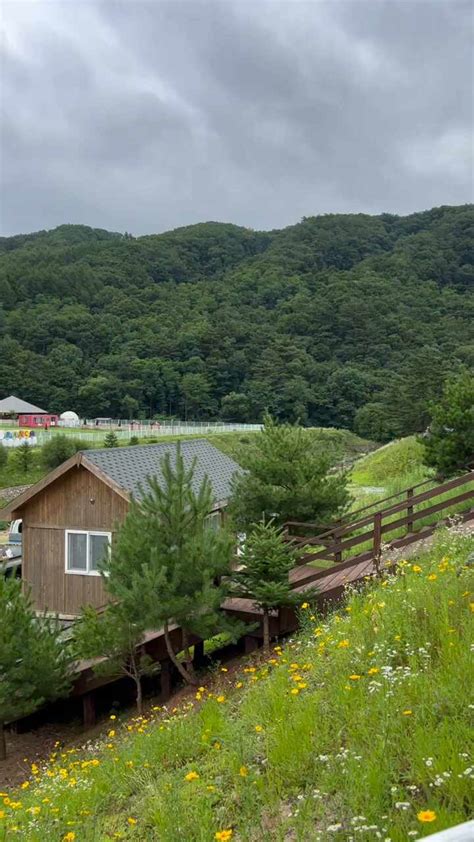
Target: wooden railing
<point x="374" y="528"/>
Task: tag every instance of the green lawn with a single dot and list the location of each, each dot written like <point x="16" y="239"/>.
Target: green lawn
<point x="359" y="727"/>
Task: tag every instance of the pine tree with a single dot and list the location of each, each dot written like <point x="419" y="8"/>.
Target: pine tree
<point x="266" y="561"/>
<point x="111" y="439"/>
<point x="167" y="565"/>
<point x="113" y="638"/>
<point x="287" y="478"/>
<point x="449" y="443"/>
<point x="34" y="663"/>
<point x="3" y="457"/>
<point x="24" y="455"/>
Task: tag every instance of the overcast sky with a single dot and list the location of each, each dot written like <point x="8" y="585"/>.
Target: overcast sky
<point x="144" y="116"/>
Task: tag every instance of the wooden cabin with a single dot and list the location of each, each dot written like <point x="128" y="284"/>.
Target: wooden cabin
<point x="72" y="515"/>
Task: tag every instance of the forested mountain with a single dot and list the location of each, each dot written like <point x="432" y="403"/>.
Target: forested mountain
<point x="344" y="320"/>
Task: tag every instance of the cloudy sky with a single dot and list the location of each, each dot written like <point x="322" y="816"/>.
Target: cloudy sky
<point x="143" y="115"/>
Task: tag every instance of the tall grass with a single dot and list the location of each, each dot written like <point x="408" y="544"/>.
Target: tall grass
<point x="357" y="729"/>
<point x="395" y="465"/>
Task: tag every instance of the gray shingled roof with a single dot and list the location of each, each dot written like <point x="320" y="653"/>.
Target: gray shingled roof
<point x="129" y="467"/>
<point x="13" y="404"/>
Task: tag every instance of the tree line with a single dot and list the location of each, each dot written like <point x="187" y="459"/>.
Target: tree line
<point x="340" y="320"/>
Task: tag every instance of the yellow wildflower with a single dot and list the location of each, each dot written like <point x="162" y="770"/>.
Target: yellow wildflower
<point x="191" y="776"/>
<point x="426" y="816"/>
<point x="432" y="577"/>
<point x="223" y="835"/>
<point x="305" y="605"/>
<point x="373" y="671"/>
<point x="416" y="568"/>
<point x="259" y="728"/>
<point x="343" y="644"/>
<point x="294" y="691"/>
<point x="220" y="699"/>
<point x="243" y="771"/>
<point x="69" y="837"/>
<point x="131" y="821"/>
<point x="407" y="713"/>
<point x="354" y="677"/>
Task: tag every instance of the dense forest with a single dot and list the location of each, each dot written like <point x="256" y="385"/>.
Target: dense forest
<point x="341" y="320"/>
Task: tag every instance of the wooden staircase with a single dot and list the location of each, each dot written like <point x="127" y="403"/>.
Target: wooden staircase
<point x="395" y="524"/>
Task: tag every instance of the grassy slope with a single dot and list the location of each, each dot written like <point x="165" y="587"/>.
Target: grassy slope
<point x="396" y="464"/>
<point x="361" y="721"/>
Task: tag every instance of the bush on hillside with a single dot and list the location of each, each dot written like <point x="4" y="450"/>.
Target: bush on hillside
<point x="59" y="448"/>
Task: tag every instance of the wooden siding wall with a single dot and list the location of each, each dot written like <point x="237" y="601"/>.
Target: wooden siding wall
<point x="76" y="500"/>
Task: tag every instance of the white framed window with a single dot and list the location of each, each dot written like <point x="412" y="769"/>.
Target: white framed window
<point x="85" y="550"/>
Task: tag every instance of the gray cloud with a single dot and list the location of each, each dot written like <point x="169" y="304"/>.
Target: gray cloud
<point x="143" y="116"/>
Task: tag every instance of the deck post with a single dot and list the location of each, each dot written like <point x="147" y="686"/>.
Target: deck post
<point x="337" y="540"/>
<point x="409" y="511"/>
<point x="199" y="658"/>
<point x="88" y="710"/>
<point x="250" y="644"/>
<point x="165" y="680"/>
<point x="377" y="547"/>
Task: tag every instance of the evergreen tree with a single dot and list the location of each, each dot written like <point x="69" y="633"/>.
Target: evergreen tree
<point x="449" y="443"/>
<point x="111" y="439"/>
<point x="3" y="457"/>
<point x="113" y="637"/>
<point x="34" y="663"/>
<point x="266" y="561"/>
<point x="167" y="564"/>
<point x="287" y="478"/>
<point x="24" y="456"/>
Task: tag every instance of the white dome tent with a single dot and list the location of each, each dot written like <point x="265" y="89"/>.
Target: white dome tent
<point x="69" y="419"/>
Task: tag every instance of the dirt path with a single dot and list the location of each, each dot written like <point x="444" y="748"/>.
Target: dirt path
<point x="424" y="544"/>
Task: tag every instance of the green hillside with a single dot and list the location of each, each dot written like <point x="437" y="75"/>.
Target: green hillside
<point x="340" y="320"/>
<point x="359" y="728"/>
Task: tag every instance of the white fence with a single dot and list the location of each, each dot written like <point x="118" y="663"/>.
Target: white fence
<point x="92" y="432"/>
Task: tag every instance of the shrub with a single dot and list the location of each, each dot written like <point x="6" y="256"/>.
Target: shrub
<point x="60" y="448"/>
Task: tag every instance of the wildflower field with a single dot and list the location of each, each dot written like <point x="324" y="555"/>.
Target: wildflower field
<point x="358" y="729"/>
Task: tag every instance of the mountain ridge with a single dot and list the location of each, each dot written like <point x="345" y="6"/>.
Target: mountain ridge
<point x="315" y="321"/>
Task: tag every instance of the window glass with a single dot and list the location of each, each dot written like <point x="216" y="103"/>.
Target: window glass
<point x="97" y="550"/>
<point x="77" y="551"/>
<point x="214" y="520"/>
